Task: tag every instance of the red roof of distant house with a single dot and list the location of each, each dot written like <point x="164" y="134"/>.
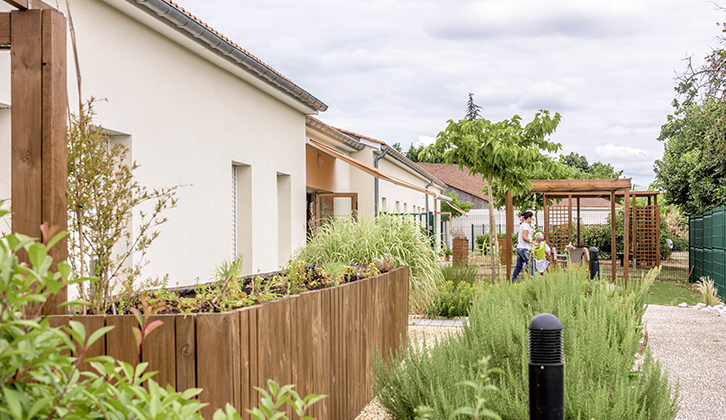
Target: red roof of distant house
<point x="587" y="202"/>
<point x="454" y="177"/>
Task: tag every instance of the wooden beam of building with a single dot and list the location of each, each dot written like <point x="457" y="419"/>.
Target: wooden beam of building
<point x="5" y="30"/>
<point x="578" y="185"/>
<point x="20" y="4"/>
<point x="606" y="194"/>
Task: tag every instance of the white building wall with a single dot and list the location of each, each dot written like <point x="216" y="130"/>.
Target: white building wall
<point x="189" y="121"/>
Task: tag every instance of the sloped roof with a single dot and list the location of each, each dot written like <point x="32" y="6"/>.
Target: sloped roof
<point x="188" y="24"/>
<point x="454" y="177"/>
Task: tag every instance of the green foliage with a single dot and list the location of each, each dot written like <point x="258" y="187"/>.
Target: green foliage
<point x="473" y="111"/>
<point x="446" y="207"/>
<point x="454" y="296"/>
<point x="38" y="376"/>
<point x="482" y="243"/>
<point x="584" y="170"/>
<point x="601" y="328"/>
<point x="272" y="403"/>
<point x="102" y="194"/>
<point x="399" y="240"/>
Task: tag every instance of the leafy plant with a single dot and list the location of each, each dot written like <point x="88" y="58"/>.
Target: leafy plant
<point x="454" y="296"/>
<point x="482" y="243"/>
<point x="399" y="240"/>
<point x="40" y="375"/>
<point x="146" y="326"/>
<point x="707" y="288"/>
<point x="480" y="386"/>
<point x="102" y="194"/>
<point x="272" y="402"/>
<point x="601" y="334"/>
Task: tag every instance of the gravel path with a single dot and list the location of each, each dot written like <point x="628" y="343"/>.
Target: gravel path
<point x="691" y="344"/>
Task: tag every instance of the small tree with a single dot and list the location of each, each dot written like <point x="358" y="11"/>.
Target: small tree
<point x="102" y="194"/>
<point x="473" y="111"/>
<point x="504" y="153"/>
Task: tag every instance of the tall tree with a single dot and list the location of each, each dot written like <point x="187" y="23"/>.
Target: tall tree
<point x="503" y="153"/>
<point x="575" y="160"/>
<point x="692" y="172"/>
<point x="473" y="111"/>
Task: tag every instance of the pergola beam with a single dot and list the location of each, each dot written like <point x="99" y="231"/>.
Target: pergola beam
<point x="5" y="30"/>
<point x="578" y="185"/>
<point x="603" y="194"/>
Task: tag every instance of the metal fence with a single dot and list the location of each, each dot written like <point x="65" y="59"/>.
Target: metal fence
<point x="707" y="246"/>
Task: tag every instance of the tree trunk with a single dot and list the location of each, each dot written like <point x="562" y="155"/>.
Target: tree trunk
<point x="493" y="232"/>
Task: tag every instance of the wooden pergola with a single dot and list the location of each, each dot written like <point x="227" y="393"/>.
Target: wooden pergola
<point x="645" y="219"/>
<point x="35" y="34"/>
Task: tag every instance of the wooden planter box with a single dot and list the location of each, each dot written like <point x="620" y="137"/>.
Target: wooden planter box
<point x="321" y="341"/>
<point x="461" y="250"/>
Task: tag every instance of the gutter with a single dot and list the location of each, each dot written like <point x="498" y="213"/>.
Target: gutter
<point x="321" y="126"/>
<point x="185" y="24"/>
<point x="375" y="180"/>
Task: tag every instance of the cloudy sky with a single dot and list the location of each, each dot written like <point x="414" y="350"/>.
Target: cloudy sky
<point x="398" y="70"/>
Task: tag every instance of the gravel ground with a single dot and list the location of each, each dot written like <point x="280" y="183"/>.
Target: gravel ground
<point x="690" y="343"/>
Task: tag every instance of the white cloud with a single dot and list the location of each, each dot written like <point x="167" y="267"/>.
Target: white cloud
<point x="610" y="151"/>
<point x="547" y="95"/>
<point x="424" y="141"/>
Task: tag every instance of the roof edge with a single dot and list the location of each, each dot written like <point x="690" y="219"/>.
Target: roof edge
<point x="411" y="164"/>
<point x="172" y="16"/>
<point x="319" y="125"/>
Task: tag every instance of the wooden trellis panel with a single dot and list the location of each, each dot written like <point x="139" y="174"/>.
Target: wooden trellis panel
<point x="646" y="243"/>
<point x="560" y="233"/>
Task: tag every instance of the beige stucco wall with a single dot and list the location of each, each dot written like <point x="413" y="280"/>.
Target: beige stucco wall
<point x="189" y="120"/>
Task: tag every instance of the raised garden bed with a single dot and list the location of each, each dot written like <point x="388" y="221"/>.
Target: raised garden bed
<point x="322" y="341"/>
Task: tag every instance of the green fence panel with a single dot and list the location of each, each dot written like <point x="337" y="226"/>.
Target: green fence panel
<point x="708" y="262"/>
<point x="719" y="274"/>
<point x="717" y="228"/>
<point x="698" y="231"/>
<point x="691" y="264"/>
<point x="698" y="263"/>
<point x="691" y="231"/>
<point x="707" y="230"/>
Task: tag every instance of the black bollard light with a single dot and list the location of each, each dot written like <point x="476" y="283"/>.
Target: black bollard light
<point x="546" y="369"/>
<point x="594" y="262"/>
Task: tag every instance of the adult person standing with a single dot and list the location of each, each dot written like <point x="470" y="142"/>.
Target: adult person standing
<point x="524" y="242"/>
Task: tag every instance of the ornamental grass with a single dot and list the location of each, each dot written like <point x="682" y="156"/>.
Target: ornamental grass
<point x="601" y="332"/>
<point x="398" y="239"/>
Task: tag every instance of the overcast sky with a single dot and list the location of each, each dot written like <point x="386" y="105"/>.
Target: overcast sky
<point x="398" y="70"/>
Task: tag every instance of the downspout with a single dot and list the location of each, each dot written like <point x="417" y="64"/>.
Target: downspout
<point x="428" y="225"/>
<point x="375" y="181"/>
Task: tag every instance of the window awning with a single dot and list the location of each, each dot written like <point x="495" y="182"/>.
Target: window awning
<point x="370" y="170"/>
<point x="375" y="172"/>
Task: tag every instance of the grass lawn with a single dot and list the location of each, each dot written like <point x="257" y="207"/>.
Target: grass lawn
<point x="672" y="293"/>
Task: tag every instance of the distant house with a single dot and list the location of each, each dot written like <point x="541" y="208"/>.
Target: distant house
<point x="198" y="110"/>
<point x="348" y="171"/>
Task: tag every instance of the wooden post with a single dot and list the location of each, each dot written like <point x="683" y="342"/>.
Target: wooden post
<point x="613" y="249"/>
<point x="579" y="242"/>
<point x="508" y="242"/>
<point x="634" y="231"/>
<point x="547" y="222"/>
<point x="626" y="237"/>
<point x="569" y="217"/>
<point x="657" y="229"/>
<point x="38" y="120"/>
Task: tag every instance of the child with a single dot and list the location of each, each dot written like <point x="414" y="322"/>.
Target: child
<point x="540" y="251"/>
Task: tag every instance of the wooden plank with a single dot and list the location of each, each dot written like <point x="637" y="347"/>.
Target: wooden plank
<point x="569" y="218"/>
<point x="244" y="361"/>
<point x="575" y="185"/>
<point x="20" y="4"/>
<point x="92" y="323"/>
<point x="366" y="313"/>
<point x="264" y="349"/>
<point x="322" y="370"/>
<point x="579" y="241"/>
<point x="613" y="250"/>
<point x="336" y="378"/>
<point x="218" y="360"/>
<point x="5" y="30"/>
<point x="159" y="350"/>
<point x="186" y="352"/>
<point x="26" y="92"/>
<point x="508" y="243"/>
<point x="54" y="163"/>
<point x="254" y="357"/>
<point x="355" y="363"/>
<point x="120" y="341"/>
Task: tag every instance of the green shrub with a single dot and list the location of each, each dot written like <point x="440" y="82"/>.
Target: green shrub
<point x="400" y="239"/>
<point x="482" y="243"/>
<point x="454" y="296"/>
<point x="601" y="329"/>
